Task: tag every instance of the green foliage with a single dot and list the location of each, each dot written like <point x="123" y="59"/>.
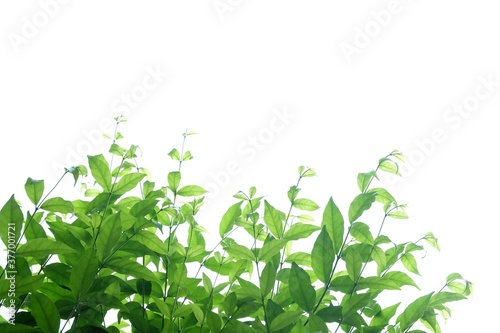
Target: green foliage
<point x="130" y="256"/>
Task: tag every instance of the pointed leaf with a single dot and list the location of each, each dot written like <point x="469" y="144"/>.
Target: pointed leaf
<point x="84" y="273"/>
<point x="271" y="248"/>
<point x="128" y="182"/>
<point x="364" y="180"/>
<point x="34" y="190"/>
<point x="24" y="284"/>
<point x="240" y="252"/>
<point x="99" y="168"/>
<point x="58" y="205"/>
<point x="410" y="263"/>
<point x="273" y="220"/>
<point x="109" y="235"/>
<point x="11" y="221"/>
<point x="301" y="290"/>
<point x="227" y="222"/>
<point x="413" y="312"/>
<point x="151" y="241"/>
<point x="300" y="230"/>
<point x="322" y="256"/>
<point x="353" y="263"/>
<point x="174" y="179"/>
<point x="360" y="204"/>
<point x="334" y="222"/>
<point x="191" y="191"/>
<point x="41" y="247"/>
<point x="267" y="279"/>
<point x="131" y="268"/>
<point x="355" y="302"/>
<point x="383" y="317"/>
<point x="305" y="204"/>
<point x="316" y="324"/>
<point x="45" y="312"/>
<point x="401" y="279"/>
<point x="284" y="319"/>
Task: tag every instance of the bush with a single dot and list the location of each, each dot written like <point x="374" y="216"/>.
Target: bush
<point x="131" y="256"/>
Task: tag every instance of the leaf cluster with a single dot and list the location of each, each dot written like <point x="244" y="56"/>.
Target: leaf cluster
<point x="131" y="256"/>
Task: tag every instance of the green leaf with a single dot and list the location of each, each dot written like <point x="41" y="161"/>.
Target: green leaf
<point x="41" y="247"/>
<point x="162" y="306"/>
<point x="360" y="204"/>
<point x="316" y="324"/>
<point x="213" y="321"/>
<point x="273" y="220"/>
<point x="76" y="171"/>
<point x="58" y="205"/>
<point x="300" y="230"/>
<point x="353" y="263"/>
<point x="383" y="317"/>
<point x="267" y="279"/>
<point x="270" y="249"/>
<point x="432" y="240"/>
<point x="17" y="328"/>
<point x="99" y="168"/>
<point x="305" y="204"/>
<point x="445" y="297"/>
<point x="84" y="273"/>
<point x="248" y="289"/>
<point x="143" y="207"/>
<point x="174" y="179"/>
<point x="387" y="165"/>
<point x="384" y="197"/>
<point x="191" y="191"/>
<point x="301" y="290"/>
<point x="207" y="284"/>
<point x="364" y="180"/>
<point x="300" y="258"/>
<point x="132" y="268"/>
<point x="322" y="256"/>
<point x="413" y="312"/>
<point x="240" y="252"/>
<point x="334" y="222"/>
<point x="45" y="312"/>
<point x="109" y="234"/>
<point x="24" y="284"/>
<point x="11" y="222"/>
<point x="355" y="302"/>
<point x="379" y="256"/>
<point x="377" y="283"/>
<point x="284" y="319"/>
<point x="401" y="279"/>
<point x="305" y="171"/>
<point x="410" y="263"/>
<point x="128" y="182"/>
<point x="34" y="190"/>
<point x="398" y="214"/>
<point x="174" y="154"/>
<point x="228" y="219"/>
<point x="229" y="304"/>
<point x="361" y="232"/>
<point x="150" y="240"/>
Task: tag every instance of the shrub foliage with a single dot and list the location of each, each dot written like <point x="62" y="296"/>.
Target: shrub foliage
<point x="131" y="256"/>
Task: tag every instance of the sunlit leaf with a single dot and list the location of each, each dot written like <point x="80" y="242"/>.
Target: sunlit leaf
<point x="360" y="204"/>
<point x="99" y="168"/>
<point x="322" y="256"/>
<point x="273" y="220"/>
<point x="34" y="190"/>
<point x="301" y="290"/>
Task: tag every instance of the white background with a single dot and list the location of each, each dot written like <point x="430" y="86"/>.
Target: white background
<point x="231" y="71"/>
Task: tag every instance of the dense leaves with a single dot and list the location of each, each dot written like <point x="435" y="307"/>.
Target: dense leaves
<point x="131" y="256"/>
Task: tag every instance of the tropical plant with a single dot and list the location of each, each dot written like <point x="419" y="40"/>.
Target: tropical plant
<point x="131" y="256"/>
